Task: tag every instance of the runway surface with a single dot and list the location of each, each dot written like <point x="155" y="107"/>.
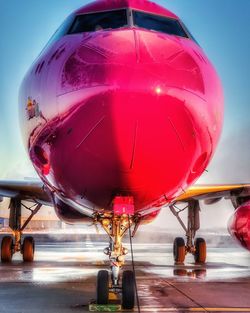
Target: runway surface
<point x="62" y="279"/>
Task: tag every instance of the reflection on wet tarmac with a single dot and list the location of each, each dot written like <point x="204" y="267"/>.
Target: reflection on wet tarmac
<point x="199" y="273"/>
<point x="65" y="273"/>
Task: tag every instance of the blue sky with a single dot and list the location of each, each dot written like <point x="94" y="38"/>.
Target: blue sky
<point x="221" y="28"/>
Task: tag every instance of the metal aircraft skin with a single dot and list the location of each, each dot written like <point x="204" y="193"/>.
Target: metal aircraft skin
<point x="122" y="110"/>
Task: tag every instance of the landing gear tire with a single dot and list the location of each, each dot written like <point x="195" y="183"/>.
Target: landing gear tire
<point x="200" y="251"/>
<point x="28" y="249"/>
<point x="179" y="250"/>
<point x="7" y="249"/>
<point x="102" y="288"/>
<point x="128" y="290"/>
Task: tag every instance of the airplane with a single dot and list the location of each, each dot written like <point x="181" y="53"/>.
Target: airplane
<point x="120" y="114"/>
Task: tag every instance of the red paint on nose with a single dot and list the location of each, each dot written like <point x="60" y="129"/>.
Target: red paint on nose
<point x="128" y="142"/>
<point x="139" y="115"/>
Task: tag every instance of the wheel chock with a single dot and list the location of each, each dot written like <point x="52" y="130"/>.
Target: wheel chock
<point x="93" y="307"/>
<point x="113" y="306"/>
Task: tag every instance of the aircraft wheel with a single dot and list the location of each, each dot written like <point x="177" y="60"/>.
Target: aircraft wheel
<point x="102" y="288"/>
<point x="28" y="249"/>
<point x="128" y="290"/>
<point x="7" y="249"/>
<point x="200" y="250"/>
<point x="179" y="250"/>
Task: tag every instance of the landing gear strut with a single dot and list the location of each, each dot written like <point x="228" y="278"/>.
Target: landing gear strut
<point x="116" y="226"/>
<point x="197" y="246"/>
<point x="13" y="244"/>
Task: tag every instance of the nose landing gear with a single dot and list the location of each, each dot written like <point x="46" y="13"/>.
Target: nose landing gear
<point x="128" y="290"/>
<point x="123" y="286"/>
<point x="102" y="287"/>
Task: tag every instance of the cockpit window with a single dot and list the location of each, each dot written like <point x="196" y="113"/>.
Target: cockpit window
<point x="61" y="31"/>
<point x="158" y="23"/>
<point x="98" y="21"/>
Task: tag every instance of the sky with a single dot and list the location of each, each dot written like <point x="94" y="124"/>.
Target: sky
<point x="221" y="28"/>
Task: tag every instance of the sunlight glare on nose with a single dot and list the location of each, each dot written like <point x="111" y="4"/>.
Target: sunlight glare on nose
<point x="158" y="90"/>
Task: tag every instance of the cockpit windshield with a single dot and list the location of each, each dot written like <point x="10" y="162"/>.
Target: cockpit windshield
<point x="115" y="19"/>
<point x="98" y="21"/>
<point x="158" y="23"/>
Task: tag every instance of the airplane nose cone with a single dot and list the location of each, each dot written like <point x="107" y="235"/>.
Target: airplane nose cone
<point x="145" y="144"/>
<point x="134" y="119"/>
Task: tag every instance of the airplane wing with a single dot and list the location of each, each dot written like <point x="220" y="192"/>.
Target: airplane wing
<point x="213" y="193"/>
<point x="31" y="190"/>
<point x="34" y="190"/>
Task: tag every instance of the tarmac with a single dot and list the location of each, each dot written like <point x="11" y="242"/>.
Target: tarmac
<point x="63" y="276"/>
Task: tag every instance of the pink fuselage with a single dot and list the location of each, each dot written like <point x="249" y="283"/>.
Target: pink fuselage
<point x="121" y="112"/>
